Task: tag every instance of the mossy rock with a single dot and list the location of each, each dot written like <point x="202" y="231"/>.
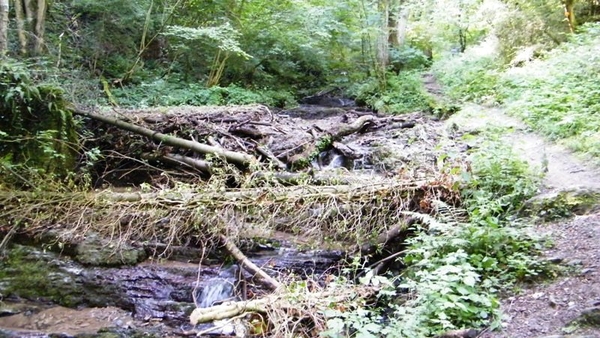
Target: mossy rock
<point x="33" y="274"/>
<point x="443" y="109"/>
<point x="564" y="203"/>
<point x="97" y="251"/>
<point x="37" y="123"/>
<point x="591" y="316"/>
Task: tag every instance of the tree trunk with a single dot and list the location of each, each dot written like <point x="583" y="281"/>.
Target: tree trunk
<point x="396" y="24"/>
<point x="28" y="19"/>
<point x="4" y="8"/>
<point x="31" y="19"/>
<point x="570" y="14"/>
<point x="231" y="156"/>
<point x="39" y="27"/>
<point x="382" y="49"/>
<point x="20" y="17"/>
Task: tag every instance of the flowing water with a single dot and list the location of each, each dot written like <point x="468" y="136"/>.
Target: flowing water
<point x="151" y="299"/>
<point x="218" y="289"/>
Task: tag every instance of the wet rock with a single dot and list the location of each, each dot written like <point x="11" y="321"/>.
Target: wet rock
<point x="328" y="101"/>
<point x="98" y="251"/>
<point x="555" y="259"/>
<point x="36" y="275"/>
<point x="64" y="322"/>
<point x="591" y="316"/>
<point x="156" y="296"/>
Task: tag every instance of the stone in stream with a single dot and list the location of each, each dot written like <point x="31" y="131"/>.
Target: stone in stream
<point x="151" y="297"/>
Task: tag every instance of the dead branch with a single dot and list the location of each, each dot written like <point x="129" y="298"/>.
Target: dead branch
<point x="268" y="154"/>
<point x="195" y="163"/>
<point x="229" y="309"/>
<point x="248" y="265"/>
<point x="231" y="156"/>
<point x="464" y="333"/>
<point x="382" y="239"/>
<point x="354" y="127"/>
<point x="355" y="192"/>
<point x="299" y="304"/>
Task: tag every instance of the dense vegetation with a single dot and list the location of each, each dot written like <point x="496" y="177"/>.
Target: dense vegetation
<point x="527" y="55"/>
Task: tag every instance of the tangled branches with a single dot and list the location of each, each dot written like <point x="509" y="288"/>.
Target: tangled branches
<point x="197" y="213"/>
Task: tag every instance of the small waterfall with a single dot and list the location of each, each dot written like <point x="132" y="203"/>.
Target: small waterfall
<point x="337" y="161"/>
<point x="218" y="289"/>
<point x="328" y="160"/>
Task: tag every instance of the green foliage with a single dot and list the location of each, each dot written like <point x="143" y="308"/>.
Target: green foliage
<point x="225" y="36"/>
<point x="402" y="93"/>
<point x="408" y="58"/>
<point x="103" y="36"/>
<point x="36" y="128"/>
<point x="560" y="96"/>
<point x="437" y="26"/>
<point x="458" y="268"/>
<point x="499" y="183"/>
<point x="469" y="76"/>
<point x="162" y="93"/>
<point x="454" y="269"/>
<point x="527" y="23"/>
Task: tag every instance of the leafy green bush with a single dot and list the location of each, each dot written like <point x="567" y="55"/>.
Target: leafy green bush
<point x="162" y="93"/>
<point x="560" y="96"/>
<point x="469" y="77"/>
<point x="37" y="132"/>
<point x="402" y="93"/>
<point x="408" y="58"/>
<point x="499" y="182"/>
<point x="455" y="269"/>
<point x="458" y="268"/>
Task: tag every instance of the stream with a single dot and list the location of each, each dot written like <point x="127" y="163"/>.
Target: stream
<point x="153" y="298"/>
<point x="46" y="293"/>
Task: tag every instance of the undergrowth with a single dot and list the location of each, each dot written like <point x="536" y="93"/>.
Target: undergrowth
<point x="472" y="76"/>
<point x="456" y="266"/>
<point x="560" y="96"/>
<point x="164" y="93"/>
<point x="401" y="93"/>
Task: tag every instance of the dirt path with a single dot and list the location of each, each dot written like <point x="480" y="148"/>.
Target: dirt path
<point x="549" y="309"/>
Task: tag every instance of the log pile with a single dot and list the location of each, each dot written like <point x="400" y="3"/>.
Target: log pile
<point x="248" y="137"/>
<point x="254" y="166"/>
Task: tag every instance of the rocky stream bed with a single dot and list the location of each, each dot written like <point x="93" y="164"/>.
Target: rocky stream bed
<point x="85" y="287"/>
<point x="87" y="274"/>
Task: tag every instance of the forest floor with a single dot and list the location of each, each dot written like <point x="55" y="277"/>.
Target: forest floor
<point x="557" y="307"/>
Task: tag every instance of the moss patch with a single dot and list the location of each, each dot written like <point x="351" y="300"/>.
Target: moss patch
<point x="28" y="273"/>
<point x="566" y="203"/>
<point x="38" y="132"/>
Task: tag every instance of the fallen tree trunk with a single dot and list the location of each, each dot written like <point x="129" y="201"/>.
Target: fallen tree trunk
<point x="230" y="156"/>
<point x="197" y="164"/>
<point x="354" y="127"/>
<point x="354" y="192"/>
<point x="267" y="280"/>
<point x="298" y="305"/>
<point x="230" y="309"/>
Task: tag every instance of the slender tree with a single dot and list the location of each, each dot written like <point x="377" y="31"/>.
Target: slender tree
<point x="383" y="43"/>
<point x="30" y="16"/>
<point x="570" y="14"/>
<point x="4" y="8"/>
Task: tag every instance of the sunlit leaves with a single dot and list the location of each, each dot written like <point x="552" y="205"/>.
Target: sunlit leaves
<point x="224" y="36"/>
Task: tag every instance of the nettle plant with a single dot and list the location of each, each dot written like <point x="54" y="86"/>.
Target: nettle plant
<point x="455" y="268"/>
